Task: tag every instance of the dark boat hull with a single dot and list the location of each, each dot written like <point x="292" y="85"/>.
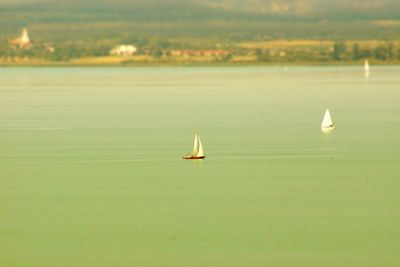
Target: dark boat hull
<point x="193" y="157"/>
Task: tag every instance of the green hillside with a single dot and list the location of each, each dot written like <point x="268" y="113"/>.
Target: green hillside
<point x="223" y="18"/>
<point x="92" y="27"/>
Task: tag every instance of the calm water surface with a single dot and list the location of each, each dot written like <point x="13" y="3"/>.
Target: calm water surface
<point x="91" y="171"/>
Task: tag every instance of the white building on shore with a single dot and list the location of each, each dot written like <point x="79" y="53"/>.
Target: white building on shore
<point x="124" y="50"/>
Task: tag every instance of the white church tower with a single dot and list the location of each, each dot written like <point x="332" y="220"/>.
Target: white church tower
<point x="23" y="42"/>
<point x="24" y="39"/>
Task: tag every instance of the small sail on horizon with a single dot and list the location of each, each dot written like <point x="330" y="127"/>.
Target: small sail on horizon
<point x="327" y="123"/>
<point x="198" y="152"/>
<point x="366" y="65"/>
<point x="366" y="68"/>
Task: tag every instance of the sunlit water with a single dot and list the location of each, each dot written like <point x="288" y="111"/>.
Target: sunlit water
<point x="91" y="171"/>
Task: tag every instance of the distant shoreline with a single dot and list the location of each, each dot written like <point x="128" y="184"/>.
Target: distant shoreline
<point x="192" y="64"/>
<point x="251" y="53"/>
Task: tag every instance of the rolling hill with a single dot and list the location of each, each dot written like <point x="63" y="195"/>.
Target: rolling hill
<point x="229" y="19"/>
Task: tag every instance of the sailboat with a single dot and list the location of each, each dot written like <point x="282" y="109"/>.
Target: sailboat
<point x="327" y="123"/>
<point x="197" y="149"/>
<point x="366" y="68"/>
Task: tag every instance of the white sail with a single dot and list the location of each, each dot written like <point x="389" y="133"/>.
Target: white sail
<point x="366" y="66"/>
<point x="327" y="121"/>
<point x="200" y="153"/>
<point x="197" y="147"/>
<point x="196" y="144"/>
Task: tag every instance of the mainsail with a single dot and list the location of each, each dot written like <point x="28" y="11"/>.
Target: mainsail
<point x="200" y="153"/>
<point x="197" y="148"/>
<point x="327" y="121"/>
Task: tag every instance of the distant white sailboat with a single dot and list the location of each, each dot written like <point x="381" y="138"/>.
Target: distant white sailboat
<point x="366" y="65"/>
<point x="327" y="123"/>
<point x="197" y="149"/>
<point x="366" y="68"/>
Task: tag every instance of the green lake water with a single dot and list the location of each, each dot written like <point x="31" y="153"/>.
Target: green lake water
<point x="91" y="172"/>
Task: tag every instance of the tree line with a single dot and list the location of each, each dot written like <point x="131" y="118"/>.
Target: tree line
<point x="162" y="47"/>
